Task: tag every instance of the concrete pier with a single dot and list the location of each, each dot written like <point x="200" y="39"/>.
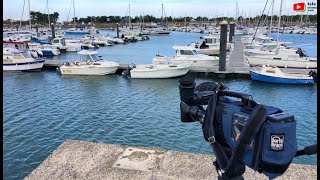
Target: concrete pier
<point x="87" y="160"/>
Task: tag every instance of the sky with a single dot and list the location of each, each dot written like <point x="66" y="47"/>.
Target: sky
<point x="12" y="9"/>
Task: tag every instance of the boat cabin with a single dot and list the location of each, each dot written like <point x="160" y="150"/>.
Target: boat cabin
<point x="185" y="51"/>
<point x="59" y="41"/>
<point x="88" y="56"/>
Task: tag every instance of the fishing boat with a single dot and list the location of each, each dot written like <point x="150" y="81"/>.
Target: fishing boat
<point x="275" y="75"/>
<point x="17" y="58"/>
<point x="168" y="70"/>
<point x="89" y="64"/>
<point x="187" y="54"/>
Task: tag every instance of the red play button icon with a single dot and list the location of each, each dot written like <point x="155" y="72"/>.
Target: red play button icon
<point x="299" y="6"/>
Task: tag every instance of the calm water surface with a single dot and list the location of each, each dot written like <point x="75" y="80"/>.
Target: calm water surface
<point x="43" y="109"/>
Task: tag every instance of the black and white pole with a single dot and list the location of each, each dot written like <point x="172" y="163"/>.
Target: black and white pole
<point x="232" y="26"/>
<point x="223" y="45"/>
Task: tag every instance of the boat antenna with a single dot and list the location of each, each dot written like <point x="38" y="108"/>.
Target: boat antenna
<point x="259" y="19"/>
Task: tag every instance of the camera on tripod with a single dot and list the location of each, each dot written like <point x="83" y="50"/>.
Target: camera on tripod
<point x="241" y="131"/>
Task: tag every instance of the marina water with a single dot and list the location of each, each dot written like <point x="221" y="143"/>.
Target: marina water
<point x="43" y="109"/>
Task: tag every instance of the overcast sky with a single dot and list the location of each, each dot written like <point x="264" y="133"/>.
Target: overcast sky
<point x="12" y="9"/>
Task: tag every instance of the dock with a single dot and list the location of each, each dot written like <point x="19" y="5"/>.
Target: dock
<point x="87" y="160"/>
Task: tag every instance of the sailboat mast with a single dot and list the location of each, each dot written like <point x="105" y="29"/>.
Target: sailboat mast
<point x="162" y="15"/>
<point x="29" y="15"/>
<point x="48" y="14"/>
<point x="74" y="14"/>
<point x="129" y="17"/>
<point x="271" y="15"/>
<point x="279" y="22"/>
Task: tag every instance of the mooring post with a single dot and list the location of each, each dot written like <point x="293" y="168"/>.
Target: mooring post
<point x="117" y="30"/>
<point x="231" y="33"/>
<point x="52" y="30"/>
<point x="223" y="45"/>
<point x="36" y="27"/>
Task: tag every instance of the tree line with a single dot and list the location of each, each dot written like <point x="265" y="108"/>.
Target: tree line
<point x="42" y="18"/>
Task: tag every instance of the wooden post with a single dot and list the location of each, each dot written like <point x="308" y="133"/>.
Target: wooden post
<point x="223" y="45"/>
<point x="231" y="34"/>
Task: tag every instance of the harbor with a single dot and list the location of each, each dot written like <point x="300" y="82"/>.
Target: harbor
<point x="97" y="97"/>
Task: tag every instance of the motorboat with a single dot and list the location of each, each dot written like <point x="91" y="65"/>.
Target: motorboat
<point x="89" y="64"/>
<point x="275" y="75"/>
<point x="166" y="70"/>
<point x="265" y="51"/>
<point x="17" y="58"/>
<point x="45" y="49"/>
<point x="187" y="54"/>
<point x="297" y="60"/>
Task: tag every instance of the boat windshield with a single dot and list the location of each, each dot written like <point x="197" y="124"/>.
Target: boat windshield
<point x="188" y="52"/>
<point x="94" y="57"/>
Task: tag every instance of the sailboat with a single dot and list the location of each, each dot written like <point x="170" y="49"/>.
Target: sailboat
<point x="76" y="29"/>
<point x="161" y="30"/>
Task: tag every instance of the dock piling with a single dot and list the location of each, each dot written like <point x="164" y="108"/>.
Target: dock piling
<point x="52" y="30"/>
<point x="231" y="34"/>
<point x="223" y="46"/>
<point x="117" y="30"/>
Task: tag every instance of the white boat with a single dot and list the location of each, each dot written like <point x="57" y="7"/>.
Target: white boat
<point x="89" y="64"/>
<point x="275" y="75"/>
<point x="19" y="60"/>
<point x="186" y="54"/>
<point x="285" y="61"/>
<point x="159" y="70"/>
<point x="265" y="51"/>
<point x="203" y="48"/>
<point x="44" y="49"/>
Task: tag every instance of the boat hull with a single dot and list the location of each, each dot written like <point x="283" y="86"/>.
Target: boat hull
<point x="25" y="66"/>
<point x="159" y="73"/>
<point x="90" y="70"/>
<point x="254" y="61"/>
<point x="195" y="62"/>
<point x="76" y="32"/>
<point x="279" y="80"/>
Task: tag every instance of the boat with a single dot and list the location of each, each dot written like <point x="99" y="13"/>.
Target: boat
<point x="17" y="58"/>
<point x="187" y="54"/>
<point x="89" y="64"/>
<point x="275" y="75"/>
<point x="283" y="61"/>
<point x="168" y="70"/>
<point x="45" y="49"/>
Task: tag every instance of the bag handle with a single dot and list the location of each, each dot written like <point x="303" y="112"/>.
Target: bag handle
<point x="246" y="99"/>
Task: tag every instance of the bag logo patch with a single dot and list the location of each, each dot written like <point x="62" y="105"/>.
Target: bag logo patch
<point x="277" y="142"/>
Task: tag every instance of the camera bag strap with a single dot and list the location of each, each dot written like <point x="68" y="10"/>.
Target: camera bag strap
<point x="249" y="131"/>
<point x="255" y="121"/>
